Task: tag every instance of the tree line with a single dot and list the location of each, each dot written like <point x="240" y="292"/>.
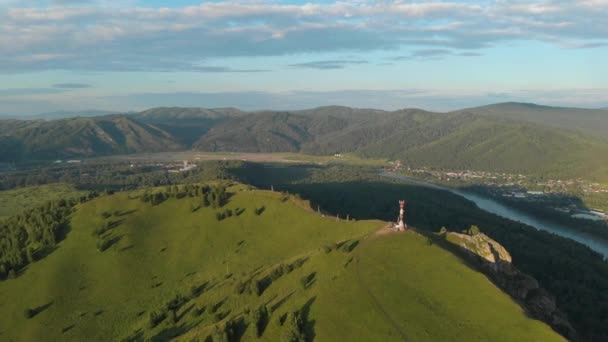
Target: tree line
<point x="117" y="175"/>
<point x="210" y="196"/>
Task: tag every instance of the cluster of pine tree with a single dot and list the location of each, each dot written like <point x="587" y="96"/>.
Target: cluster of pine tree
<point x="27" y="237"/>
<point x="211" y="196"/>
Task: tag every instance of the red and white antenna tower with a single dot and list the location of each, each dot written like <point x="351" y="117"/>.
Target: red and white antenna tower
<point x="401" y="226"/>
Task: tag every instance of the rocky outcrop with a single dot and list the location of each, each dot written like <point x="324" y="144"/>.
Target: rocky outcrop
<point x="495" y="261"/>
<point x="494" y="255"/>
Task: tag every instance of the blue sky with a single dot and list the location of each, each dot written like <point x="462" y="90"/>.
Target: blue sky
<point x="126" y="55"/>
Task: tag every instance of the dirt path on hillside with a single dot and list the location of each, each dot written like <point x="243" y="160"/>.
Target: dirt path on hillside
<point x="377" y="303"/>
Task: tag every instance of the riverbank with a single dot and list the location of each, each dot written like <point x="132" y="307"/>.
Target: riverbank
<point x="494" y="207"/>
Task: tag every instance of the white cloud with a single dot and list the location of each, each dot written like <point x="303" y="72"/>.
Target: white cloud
<point x="91" y="36"/>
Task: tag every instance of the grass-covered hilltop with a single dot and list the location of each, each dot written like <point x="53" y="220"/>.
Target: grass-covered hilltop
<point x="224" y="261"/>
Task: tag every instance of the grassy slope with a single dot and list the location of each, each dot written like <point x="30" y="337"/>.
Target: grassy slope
<point x="427" y="293"/>
<point x="14" y="201"/>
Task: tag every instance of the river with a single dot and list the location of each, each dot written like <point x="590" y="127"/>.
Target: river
<point x="494" y="207"/>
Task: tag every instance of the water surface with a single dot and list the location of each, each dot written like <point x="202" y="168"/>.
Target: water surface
<point x="494" y="207"/>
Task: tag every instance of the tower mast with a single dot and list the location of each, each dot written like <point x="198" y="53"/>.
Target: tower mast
<point x="401" y="226"/>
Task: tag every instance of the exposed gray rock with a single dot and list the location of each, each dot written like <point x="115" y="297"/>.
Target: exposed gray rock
<point x="495" y="261"/>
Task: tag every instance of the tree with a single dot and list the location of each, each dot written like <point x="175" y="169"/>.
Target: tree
<point x="295" y="328"/>
<point x="31" y="254"/>
<point x="218" y="196"/>
<point x="104" y="244"/>
<point x="158" y="198"/>
<point x="473" y="230"/>
<point x="12" y="274"/>
<point x="220" y="335"/>
<point x="206" y="201"/>
<point x="259" y="317"/>
<point x="3" y="271"/>
<point x="156" y="317"/>
<point x="174" y="304"/>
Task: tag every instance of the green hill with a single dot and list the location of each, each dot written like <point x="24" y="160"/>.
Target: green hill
<point x="421" y="139"/>
<point x="80" y="137"/>
<point x="485" y="144"/>
<point x="186" y="124"/>
<point x="593" y="121"/>
<point x="14" y="201"/>
<point x="272" y="268"/>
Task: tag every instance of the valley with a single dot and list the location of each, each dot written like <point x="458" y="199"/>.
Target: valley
<point x="154" y="249"/>
<point x="597" y="243"/>
<point x="293" y="171"/>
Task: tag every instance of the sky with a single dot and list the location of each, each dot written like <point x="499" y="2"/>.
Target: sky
<point x="126" y="55"/>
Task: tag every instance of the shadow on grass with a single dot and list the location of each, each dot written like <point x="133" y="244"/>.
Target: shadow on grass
<point x="196" y="291"/>
<point x="41" y="308"/>
<point x="239" y="326"/>
<point x="218" y="305"/>
<point x="309" y="326"/>
<point x="126" y="248"/>
<point x="137" y="336"/>
<point x="184" y="312"/>
<point x="168" y="334"/>
<point x="107" y="244"/>
<point x="280" y="302"/>
<point x="125" y="213"/>
<point x="68" y="328"/>
<point x="309" y="280"/>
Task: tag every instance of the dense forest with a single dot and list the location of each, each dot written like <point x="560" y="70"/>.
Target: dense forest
<point x="546" y="211"/>
<point x="115" y="176"/>
<point x="29" y="236"/>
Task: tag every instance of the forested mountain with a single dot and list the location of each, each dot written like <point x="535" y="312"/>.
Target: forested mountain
<point x="258" y="132"/>
<point x="61" y="114"/>
<point x="593" y="121"/>
<point x="186" y="124"/>
<point x="455" y="140"/>
<point x="79" y="137"/>
<point x="471" y="142"/>
<point x="491" y="138"/>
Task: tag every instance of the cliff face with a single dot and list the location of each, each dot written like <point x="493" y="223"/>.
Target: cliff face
<point x="495" y="261"/>
<point x="492" y="253"/>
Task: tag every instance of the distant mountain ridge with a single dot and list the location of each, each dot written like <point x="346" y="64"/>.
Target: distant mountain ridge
<point x="61" y="114"/>
<point x="80" y="137"/>
<point x="594" y="121"/>
<point x="506" y="137"/>
<point x="186" y="124"/>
